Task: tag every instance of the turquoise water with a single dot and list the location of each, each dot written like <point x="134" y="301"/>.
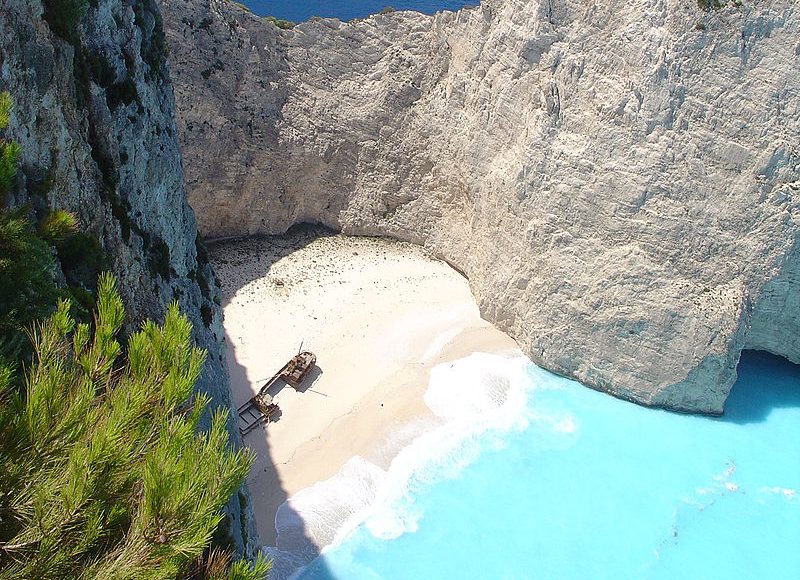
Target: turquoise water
<point x="298" y="11"/>
<point x="579" y="485"/>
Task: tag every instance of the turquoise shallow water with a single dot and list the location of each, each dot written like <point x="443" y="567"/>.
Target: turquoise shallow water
<point x="586" y="486"/>
<point x="298" y="11"/>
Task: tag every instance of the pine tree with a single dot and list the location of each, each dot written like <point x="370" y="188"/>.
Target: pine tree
<point x="103" y="473"/>
<point x="27" y="283"/>
<point x="28" y="288"/>
<point x="9" y="150"/>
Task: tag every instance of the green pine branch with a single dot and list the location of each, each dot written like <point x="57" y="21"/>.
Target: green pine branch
<point x="103" y="472"/>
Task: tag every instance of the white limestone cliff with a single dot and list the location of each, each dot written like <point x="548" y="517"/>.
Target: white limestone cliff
<point x="619" y="180"/>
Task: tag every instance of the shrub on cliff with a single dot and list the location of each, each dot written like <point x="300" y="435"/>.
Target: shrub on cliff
<point x="281" y="23"/>
<point x="710" y="4"/>
<point x="9" y="150"/>
<point x="103" y="473"/>
<point x="27" y="283"/>
<point x="27" y="280"/>
<point x="30" y="258"/>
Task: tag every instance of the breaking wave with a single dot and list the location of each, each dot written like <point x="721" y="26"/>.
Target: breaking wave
<point x="473" y="397"/>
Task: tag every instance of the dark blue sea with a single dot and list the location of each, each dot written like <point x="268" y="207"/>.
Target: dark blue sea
<point x="299" y="10"/>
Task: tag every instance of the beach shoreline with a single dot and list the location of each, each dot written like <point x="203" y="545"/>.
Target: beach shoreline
<point x="378" y="314"/>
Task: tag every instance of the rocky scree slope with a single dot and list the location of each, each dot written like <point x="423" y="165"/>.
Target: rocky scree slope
<point x="95" y="117"/>
<point x="618" y="180"/>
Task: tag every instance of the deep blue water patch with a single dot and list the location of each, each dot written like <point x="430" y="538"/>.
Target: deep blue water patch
<point x="299" y="11"/>
<point x="752" y="399"/>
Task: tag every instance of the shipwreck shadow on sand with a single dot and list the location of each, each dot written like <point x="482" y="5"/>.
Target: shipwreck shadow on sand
<point x="752" y="399"/>
<point x="306" y="386"/>
<point x="293" y="547"/>
<point x="310" y="381"/>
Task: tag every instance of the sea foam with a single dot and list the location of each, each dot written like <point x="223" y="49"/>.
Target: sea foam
<point x="473" y="397"/>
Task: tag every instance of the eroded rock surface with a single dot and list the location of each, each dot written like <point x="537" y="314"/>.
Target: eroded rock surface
<point x="618" y="180"/>
<point x="95" y="117"/>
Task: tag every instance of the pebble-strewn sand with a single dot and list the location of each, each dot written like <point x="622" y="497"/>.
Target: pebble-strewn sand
<point x="378" y="314"/>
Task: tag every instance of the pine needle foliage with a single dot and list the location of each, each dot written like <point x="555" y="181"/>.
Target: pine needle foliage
<point x="103" y="473"/>
<point x="9" y="150"/>
<point x="57" y="226"/>
<point x="9" y="156"/>
<point x="28" y="267"/>
<point x="28" y="287"/>
<point x="216" y="564"/>
<point x="243" y="570"/>
<point x="6" y="104"/>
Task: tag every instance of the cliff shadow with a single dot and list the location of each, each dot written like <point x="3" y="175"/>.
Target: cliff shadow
<point x="766" y="382"/>
<point x="294" y="547"/>
<point x="290" y="547"/>
<point x="296" y="238"/>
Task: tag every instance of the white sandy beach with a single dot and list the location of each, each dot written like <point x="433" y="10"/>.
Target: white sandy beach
<point x="378" y="314"/>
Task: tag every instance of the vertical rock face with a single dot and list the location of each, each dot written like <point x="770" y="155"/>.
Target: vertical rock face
<point x="619" y="180"/>
<point x="95" y="118"/>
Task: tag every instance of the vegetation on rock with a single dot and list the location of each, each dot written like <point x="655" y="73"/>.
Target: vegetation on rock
<point x="9" y="151"/>
<point x="31" y="258"/>
<point x="27" y="268"/>
<point x="103" y="473"/>
<point x="281" y="22"/>
<point x="27" y="284"/>
<point x="710" y="4"/>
